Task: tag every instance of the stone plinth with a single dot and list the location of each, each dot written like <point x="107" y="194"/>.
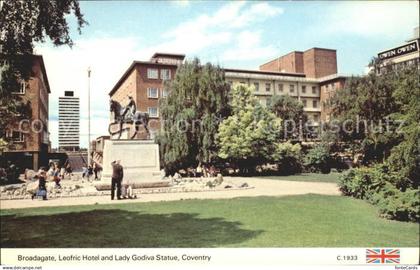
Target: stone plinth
<point x="139" y="158"/>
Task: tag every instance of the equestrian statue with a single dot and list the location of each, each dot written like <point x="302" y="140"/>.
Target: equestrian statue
<point x="128" y="115"/>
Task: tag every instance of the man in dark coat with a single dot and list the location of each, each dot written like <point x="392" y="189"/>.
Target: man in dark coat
<point x="117" y="177"/>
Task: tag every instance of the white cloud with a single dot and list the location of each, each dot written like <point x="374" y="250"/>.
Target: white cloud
<point x="370" y="18"/>
<point x="67" y="70"/>
<point x="248" y="47"/>
<point x="219" y="28"/>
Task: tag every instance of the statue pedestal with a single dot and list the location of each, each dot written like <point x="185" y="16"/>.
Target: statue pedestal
<point x="139" y="158"/>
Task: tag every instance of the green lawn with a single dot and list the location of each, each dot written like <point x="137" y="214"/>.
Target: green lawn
<point x="291" y="221"/>
<point x="308" y="177"/>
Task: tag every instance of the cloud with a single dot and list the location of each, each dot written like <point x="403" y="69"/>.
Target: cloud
<point x="219" y="28"/>
<point x="66" y="68"/>
<point x="371" y="18"/>
<point x="249" y="47"/>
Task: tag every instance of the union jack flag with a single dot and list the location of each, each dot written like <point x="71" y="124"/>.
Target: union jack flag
<point x="377" y="255"/>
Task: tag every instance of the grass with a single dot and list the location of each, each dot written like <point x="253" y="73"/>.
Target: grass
<point x="291" y="221"/>
<point x="308" y="177"/>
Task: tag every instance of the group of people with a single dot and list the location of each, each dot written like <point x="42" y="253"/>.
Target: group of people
<point x="88" y="172"/>
<point x="55" y="173"/>
<point x="203" y="171"/>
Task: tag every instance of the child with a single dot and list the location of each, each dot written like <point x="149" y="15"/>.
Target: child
<point x="42" y="188"/>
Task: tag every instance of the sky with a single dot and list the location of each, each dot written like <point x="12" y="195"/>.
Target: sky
<point x="231" y="34"/>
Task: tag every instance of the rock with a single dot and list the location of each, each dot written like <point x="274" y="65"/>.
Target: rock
<point x="13" y="187"/>
<point x="228" y="186"/>
<point x="244" y="185"/>
<point x="32" y="187"/>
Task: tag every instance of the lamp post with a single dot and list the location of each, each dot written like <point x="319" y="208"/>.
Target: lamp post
<point x="89" y="161"/>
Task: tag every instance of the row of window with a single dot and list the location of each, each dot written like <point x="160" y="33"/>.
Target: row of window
<point x="153" y="73"/>
<point x="281" y="87"/>
<point x="314" y="103"/>
<point x="153" y="92"/>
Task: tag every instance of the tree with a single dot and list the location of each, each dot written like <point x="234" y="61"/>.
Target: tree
<point x="290" y="110"/>
<point x="197" y="102"/>
<point x="247" y="138"/>
<point x="22" y="24"/>
<point x="362" y="108"/>
<point x="405" y="157"/>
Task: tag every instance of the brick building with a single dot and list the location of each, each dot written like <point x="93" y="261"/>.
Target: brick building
<point x="144" y="81"/>
<point x="30" y="137"/>
<point x="310" y="76"/>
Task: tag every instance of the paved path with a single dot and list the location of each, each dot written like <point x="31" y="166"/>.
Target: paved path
<point x="262" y="187"/>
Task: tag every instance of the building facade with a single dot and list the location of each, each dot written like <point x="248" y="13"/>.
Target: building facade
<point x="399" y="57"/>
<point x="144" y="81"/>
<point x="310" y="77"/>
<point x="68" y="122"/>
<point x="30" y="137"/>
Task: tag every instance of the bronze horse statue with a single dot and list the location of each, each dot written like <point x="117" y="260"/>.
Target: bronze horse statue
<point x="137" y="119"/>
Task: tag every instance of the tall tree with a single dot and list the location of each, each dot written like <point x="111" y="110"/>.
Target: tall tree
<point x="405" y="157"/>
<point x="248" y="137"/>
<point x="197" y="102"/>
<point x="290" y="110"/>
<point x="362" y="108"/>
<point x="22" y="24"/>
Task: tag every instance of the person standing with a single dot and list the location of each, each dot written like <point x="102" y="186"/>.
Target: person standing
<point x="42" y="187"/>
<point x="117" y="177"/>
<point x="95" y="170"/>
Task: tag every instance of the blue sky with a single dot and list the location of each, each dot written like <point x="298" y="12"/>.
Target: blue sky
<point x="232" y="34"/>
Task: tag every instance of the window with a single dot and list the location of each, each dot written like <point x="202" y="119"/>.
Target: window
<point x="257" y="86"/>
<point x="292" y="88"/>
<point x="268" y="87"/>
<point x="303" y="89"/>
<point x="315" y="103"/>
<point x="165" y="74"/>
<point x="16" y="136"/>
<point x="304" y="102"/>
<point x="164" y="93"/>
<point x="153" y="111"/>
<point x="152" y="73"/>
<point x="152" y="92"/>
<point x="280" y="87"/>
<point x="316" y="118"/>
<point x="242" y="82"/>
<point x="22" y="89"/>
<point x="314" y="90"/>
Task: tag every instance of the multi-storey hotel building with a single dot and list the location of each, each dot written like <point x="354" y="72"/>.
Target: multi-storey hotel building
<point x="68" y="122"/>
<point x="310" y="77"/>
<point x="402" y="56"/>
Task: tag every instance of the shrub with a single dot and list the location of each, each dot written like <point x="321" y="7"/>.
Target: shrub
<point x="288" y="158"/>
<point x="378" y="185"/>
<point x="398" y="205"/>
<point x="318" y="159"/>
